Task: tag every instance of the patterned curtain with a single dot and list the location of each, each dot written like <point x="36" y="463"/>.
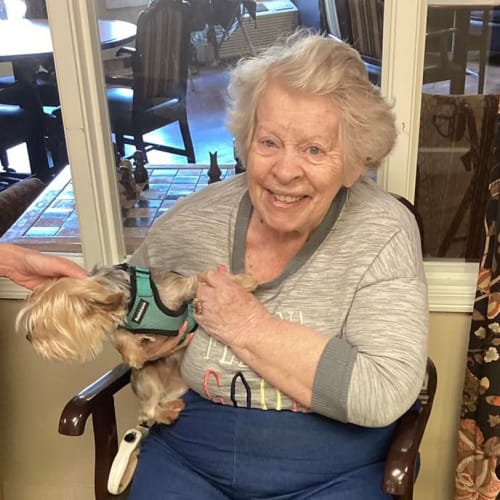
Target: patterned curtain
<point x="478" y="471"/>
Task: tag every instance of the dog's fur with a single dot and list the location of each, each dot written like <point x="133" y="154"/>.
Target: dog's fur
<point x="69" y="319"/>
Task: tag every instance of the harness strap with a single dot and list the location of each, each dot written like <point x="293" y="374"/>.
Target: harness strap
<point x="147" y="313"/>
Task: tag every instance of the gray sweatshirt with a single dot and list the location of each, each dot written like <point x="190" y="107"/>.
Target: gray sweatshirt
<point x="358" y="279"/>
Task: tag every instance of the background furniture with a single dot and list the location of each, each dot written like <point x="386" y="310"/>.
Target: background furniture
<point x="493" y="20"/>
<point x="156" y="95"/>
<point x="22" y="38"/>
<point x="26" y="43"/>
<point x="453" y="168"/>
<point x="16" y="198"/>
<point x="21" y="121"/>
<point x="361" y="24"/>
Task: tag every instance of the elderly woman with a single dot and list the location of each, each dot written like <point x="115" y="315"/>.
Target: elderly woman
<point x="295" y="389"/>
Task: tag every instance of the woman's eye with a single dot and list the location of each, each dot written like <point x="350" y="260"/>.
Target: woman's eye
<point x="268" y="143"/>
<point x="314" y="150"/>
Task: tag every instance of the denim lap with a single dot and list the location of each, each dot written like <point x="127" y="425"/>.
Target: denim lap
<point x="216" y="452"/>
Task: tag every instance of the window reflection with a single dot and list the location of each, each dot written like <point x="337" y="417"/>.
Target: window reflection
<point x="449" y="171"/>
<point x="458" y="118"/>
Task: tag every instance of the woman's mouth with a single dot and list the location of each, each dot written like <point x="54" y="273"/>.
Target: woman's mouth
<point x="287" y="198"/>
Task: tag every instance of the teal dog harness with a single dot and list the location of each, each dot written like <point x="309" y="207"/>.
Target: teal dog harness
<point x="147" y="313"/>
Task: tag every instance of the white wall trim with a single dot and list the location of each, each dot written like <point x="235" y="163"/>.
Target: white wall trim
<point x="451" y="285"/>
<point x="401" y="84"/>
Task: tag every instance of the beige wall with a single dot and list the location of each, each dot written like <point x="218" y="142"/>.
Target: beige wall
<point x="36" y="463"/>
<point x="448" y="339"/>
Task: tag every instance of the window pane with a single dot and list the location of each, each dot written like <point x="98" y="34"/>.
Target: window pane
<point x="215" y="40"/>
<point x="34" y="151"/>
<point x="459" y="111"/>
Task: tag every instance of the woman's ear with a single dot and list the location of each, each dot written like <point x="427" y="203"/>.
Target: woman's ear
<point x="351" y="175"/>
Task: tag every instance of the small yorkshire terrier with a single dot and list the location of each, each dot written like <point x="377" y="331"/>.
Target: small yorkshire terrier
<point x="69" y="319"/>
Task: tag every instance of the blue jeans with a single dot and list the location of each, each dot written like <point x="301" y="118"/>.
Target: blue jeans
<point x="216" y="452"/>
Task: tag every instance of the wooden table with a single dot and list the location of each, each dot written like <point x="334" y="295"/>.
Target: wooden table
<point x="21" y="38"/>
<point x="51" y="222"/>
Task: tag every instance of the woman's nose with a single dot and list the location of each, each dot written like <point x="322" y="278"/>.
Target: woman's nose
<point x="287" y="166"/>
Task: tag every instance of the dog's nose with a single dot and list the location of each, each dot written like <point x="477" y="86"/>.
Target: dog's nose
<point x="28" y="337"/>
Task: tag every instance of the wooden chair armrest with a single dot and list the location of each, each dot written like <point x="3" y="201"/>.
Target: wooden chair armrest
<point x="401" y="461"/>
<point x="399" y="473"/>
<point x="97" y="400"/>
<point x="92" y="400"/>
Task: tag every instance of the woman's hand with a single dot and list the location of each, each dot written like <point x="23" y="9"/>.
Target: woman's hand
<point x="225" y="310"/>
<point x="30" y="268"/>
<point x="162" y="345"/>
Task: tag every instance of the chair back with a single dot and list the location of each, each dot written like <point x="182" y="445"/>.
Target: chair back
<point x="163" y="47"/>
<point x="361" y="24"/>
<point x="36" y="9"/>
<point x="367" y="24"/>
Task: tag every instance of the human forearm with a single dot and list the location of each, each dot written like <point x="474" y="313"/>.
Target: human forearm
<point x="30" y="268"/>
<point x="283" y="353"/>
<point x="374" y="372"/>
<point x="7" y="258"/>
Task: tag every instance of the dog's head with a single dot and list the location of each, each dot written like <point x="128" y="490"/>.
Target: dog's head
<point x="68" y="318"/>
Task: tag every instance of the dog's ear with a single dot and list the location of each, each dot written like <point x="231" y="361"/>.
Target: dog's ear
<point x="110" y="302"/>
<point x="68" y="318"/>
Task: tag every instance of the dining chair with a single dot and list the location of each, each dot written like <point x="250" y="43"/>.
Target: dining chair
<point x="155" y="96"/>
<point x="361" y="25"/>
<point x="21" y="122"/>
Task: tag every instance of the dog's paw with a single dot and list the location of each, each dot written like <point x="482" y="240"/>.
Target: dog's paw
<point x="169" y="411"/>
<point x="246" y="281"/>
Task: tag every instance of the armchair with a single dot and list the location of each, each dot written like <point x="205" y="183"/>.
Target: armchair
<point x="97" y="400"/>
<point x="156" y="94"/>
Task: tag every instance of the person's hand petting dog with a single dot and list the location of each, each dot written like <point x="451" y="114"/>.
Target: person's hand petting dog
<point x="220" y="304"/>
<point x="30" y="268"/>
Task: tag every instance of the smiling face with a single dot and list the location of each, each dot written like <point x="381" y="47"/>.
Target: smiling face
<point x="294" y="163"/>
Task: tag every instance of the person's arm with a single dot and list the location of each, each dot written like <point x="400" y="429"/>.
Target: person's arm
<point x="283" y="353"/>
<point x="369" y="375"/>
<point x="30" y="268"/>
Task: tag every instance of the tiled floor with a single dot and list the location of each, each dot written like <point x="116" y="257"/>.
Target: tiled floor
<point x="51" y="222"/>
